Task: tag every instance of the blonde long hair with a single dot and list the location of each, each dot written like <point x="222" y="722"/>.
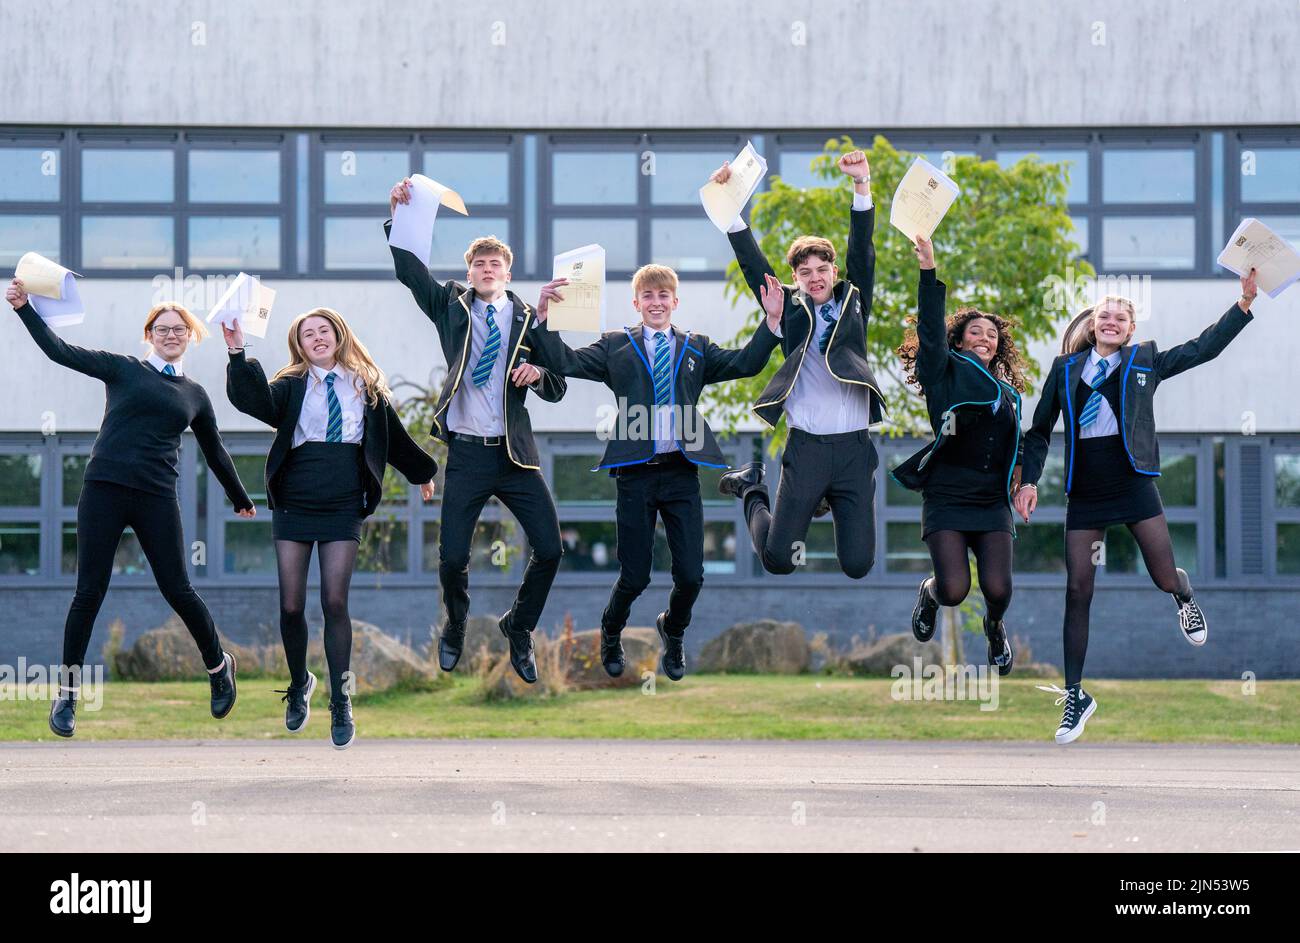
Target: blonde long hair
<point x="1081" y="333"/>
<point x="351" y="353"/>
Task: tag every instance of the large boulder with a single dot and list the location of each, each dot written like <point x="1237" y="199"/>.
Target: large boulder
<point x="168" y="653"/>
<point x="880" y="657"/>
<point x="379" y="662"/>
<point x="762" y="647"/>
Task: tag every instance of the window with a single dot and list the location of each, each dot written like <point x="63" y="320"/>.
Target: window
<point x="1149" y="192"/>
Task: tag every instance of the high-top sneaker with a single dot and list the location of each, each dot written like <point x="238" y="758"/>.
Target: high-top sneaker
<point x="342" y="730"/>
<point x="1190" y="618"/>
<point x="1079" y="706"/>
<point x="673" y="660"/>
<point x="1000" y="653"/>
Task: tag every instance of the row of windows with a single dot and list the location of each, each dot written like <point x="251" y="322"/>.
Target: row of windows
<point x="40" y="483"/>
<point x="310" y="204"/>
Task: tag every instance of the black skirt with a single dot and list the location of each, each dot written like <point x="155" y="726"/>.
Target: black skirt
<point x="319" y="494"/>
<point x="1105" y="489"/>
<point x="970" y="501"/>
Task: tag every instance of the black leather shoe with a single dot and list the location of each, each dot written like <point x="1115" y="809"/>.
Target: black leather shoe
<point x="611" y="652"/>
<point x="925" y="613"/>
<point x="63" y="715"/>
<point x="736" y="483"/>
<point x="223" y="687"/>
<point x="342" y="730"/>
<point x="450" y="644"/>
<point x="1000" y="653"/>
<point x="299" y="698"/>
<point x="823" y="508"/>
<point x="521" y="650"/>
<point x="673" y="660"/>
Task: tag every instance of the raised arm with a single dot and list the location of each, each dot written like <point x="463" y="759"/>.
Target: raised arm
<point x="1211" y="341"/>
<point x="415" y="464"/>
<point x="931" y="323"/>
<point x="860" y="260"/>
<point x="248" y="391"/>
<point x="430" y="294"/>
<point x="218" y="459"/>
<point x="100" y="364"/>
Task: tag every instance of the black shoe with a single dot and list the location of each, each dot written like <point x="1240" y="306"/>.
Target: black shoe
<point x="521" y="651"/>
<point x="1000" y="652"/>
<point x="1190" y="618"/>
<point x="63" y="715"/>
<point x="223" y="687"/>
<point x="299" y="698"/>
<point x="450" y="644"/>
<point x="736" y="483"/>
<point x="823" y="508"/>
<point x="1079" y="706"/>
<point x="925" y="613"/>
<point x="611" y="652"/>
<point x="342" y="730"/>
<point x="673" y="660"/>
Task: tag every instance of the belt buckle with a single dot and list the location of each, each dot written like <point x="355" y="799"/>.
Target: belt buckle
<point x="492" y="440"/>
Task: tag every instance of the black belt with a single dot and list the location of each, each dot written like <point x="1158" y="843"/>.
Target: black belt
<point x="492" y="440"/>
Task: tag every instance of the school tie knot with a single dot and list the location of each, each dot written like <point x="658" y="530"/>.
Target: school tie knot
<point x="1102" y="367"/>
<point x="824" y="340"/>
<point x="491" y="347"/>
<point x="334" y="411"/>
<point x="169" y="370"/>
<point x="1092" y="408"/>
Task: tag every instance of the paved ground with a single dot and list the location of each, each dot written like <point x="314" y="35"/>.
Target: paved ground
<point x="646" y="795"/>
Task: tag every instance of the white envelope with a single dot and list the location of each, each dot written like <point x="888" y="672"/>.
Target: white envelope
<point x="412" y="227"/>
<point x="53" y="290"/>
<point x="248" y="301"/>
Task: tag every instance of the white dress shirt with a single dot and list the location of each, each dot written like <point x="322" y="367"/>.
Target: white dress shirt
<point x="313" y="420"/>
<point x="159" y="363"/>
<point x="665" y="441"/>
<point x="480" y="410"/>
<point x="1105" y="423"/>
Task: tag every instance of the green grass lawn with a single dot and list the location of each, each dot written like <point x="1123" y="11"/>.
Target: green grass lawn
<point x="702" y="706"/>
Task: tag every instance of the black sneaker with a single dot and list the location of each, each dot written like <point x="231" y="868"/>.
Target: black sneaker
<point x="63" y="713"/>
<point x="823" y="508"/>
<point x="1190" y="617"/>
<point x="673" y="660"/>
<point x="925" y="613"/>
<point x="223" y="687"/>
<point x="1079" y="706"/>
<point x="450" y="644"/>
<point x="611" y="652"/>
<point x="736" y="483"/>
<point x="1000" y="653"/>
<point x="521" y="650"/>
<point x="299" y="698"/>
<point x="342" y="730"/>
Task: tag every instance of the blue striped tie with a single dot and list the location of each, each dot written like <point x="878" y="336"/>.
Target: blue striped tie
<point x="663" y="369"/>
<point x="1093" y="406"/>
<point x="825" y="340"/>
<point x="487" y="360"/>
<point x="169" y="370"/>
<point x="334" y="427"/>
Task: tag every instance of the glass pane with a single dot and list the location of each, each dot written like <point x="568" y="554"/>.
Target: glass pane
<point x="618" y="236"/>
<point x="679" y="175"/>
<point x="709" y="486"/>
<point x="580" y="178"/>
<point x="573" y="481"/>
<point x="1081" y="233"/>
<point x="363" y="176"/>
<point x="354" y="242"/>
<point x="719" y="548"/>
<point x="383" y="546"/>
<point x="235" y="242"/>
<point x="895" y="494"/>
<point x="941" y="158"/>
<point x="1150" y="175"/>
<point x="235" y="176"/>
<point x="1149" y="242"/>
<point x="1274" y="177"/>
<point x="1051" y="485"/>
<point x="22" y="234"/>
<point x="1039" y="548"/>
<point x="1077" y="162"/>
<point x="688" y="245"/>
<point x="819" y="548"/>
<point x="1286" y="477"/>
<point x="20" y="481"/>
<point x="486" y="533"/>
<point x="252" y="472"/>
<point x="1177" y="481"/>
<point x="589" y="546"/>
<point x="1123" y="555"/>
<point x="250" y="547"/>
<point x="127" y="242"/>
<point x="129" y="559"/>
<point x="29" y="174"/>
<point x="128" y="176"/>
<point x="478" y="176"/>
<point x="795" y="169"/>
<point x="905" y="552"/>
<point x="1288" y="227"/>
<point x="20" y="549"/>
<point x="1288" y="548"/>
<point x="453" y="234"/>
<point x="74" y="472"/>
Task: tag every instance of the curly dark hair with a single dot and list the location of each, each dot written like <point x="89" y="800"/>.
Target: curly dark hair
<point x="1006" y="366"/>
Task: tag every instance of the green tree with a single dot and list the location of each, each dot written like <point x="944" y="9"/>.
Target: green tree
<point x="1006" y="246"/>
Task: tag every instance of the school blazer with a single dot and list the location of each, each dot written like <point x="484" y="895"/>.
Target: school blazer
<point x="1143" y="366"/>
<point x="385" y="440"/>
<point x="846" y="354"/>
<point x="618" y="359"/>
<point x="951" y="381"/>
<point x="447" y="305"/>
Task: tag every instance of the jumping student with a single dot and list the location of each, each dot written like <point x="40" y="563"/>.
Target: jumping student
<point x="130" y="481"/>
<point x="486" y="334"/>
<point x="969" y="370"/>
<point x="657" y="372"/>
<point x="825" y="388"/>
<point x="1106" y="387"/>
<point x="336" y="431"/>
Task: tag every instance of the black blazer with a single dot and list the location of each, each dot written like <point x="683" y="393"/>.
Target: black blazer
<point x="1142" y="367"/>
<point x="447" y="305"/>
<point x="618" y="360"/>
<point x="951" y="381"/>
<point x="846" y="355"/>
<point x="385" y="440"/>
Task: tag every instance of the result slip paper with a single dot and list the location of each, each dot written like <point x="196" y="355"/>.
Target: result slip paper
<point x="922" y="199"/>
<point x="53" y="290"/>
<point x="247" y="301"/>
<point x="412" y="228"/>
<point x="1254" y="245"/>
<point x="724" y="202"/>
<point x="583" y="307"/>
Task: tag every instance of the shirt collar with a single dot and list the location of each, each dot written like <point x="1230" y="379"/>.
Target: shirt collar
<point x="1095" y="358"/>
<point x="500" y="305"/>
<point x="159" y="363"/>
<point x="340" y="372"/>
<point x="648" y="332"/>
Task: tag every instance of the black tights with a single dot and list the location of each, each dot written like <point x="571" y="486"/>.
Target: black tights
<point x="952" y="568"/>
<point x="1081" y="561"/>
<point x="337" y="559"/>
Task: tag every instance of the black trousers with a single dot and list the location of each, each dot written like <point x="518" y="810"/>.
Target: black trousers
<point x="839" y="467"/>
<point x="475" y="473"/>
<point x="671" y="491"/>
<point x="104" y="511"/>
